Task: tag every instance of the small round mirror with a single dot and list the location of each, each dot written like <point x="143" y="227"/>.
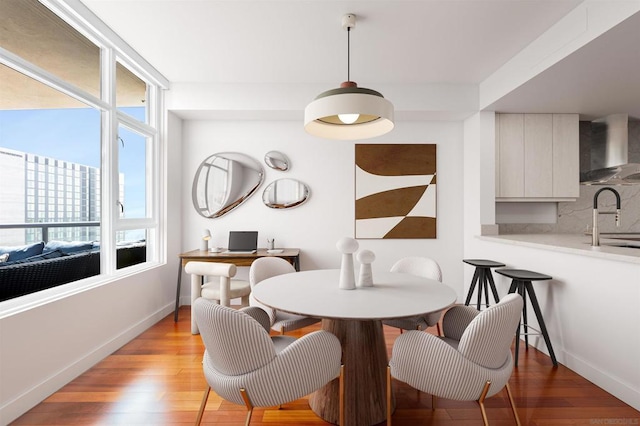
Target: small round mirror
<point x="224" y="181"/>
<point x="285" y="193"/>
<point x="277" y="161"/>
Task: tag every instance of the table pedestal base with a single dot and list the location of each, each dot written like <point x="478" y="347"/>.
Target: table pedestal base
<point x="364" y="355"/>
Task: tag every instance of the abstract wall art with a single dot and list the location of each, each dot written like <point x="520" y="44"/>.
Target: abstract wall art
<point x="395" y="188"/>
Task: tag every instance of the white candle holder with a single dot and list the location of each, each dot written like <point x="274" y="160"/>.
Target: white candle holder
<point x="347" y="246"/>
<point x="366" y="258"/>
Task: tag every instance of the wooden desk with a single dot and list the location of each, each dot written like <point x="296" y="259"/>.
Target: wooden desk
<point x="291" y="255"/>
<point x="354" y="316"/>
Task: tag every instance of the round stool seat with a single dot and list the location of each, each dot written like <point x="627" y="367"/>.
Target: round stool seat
<point x="239" y="288"/>
<point x="523" y="275"/>
<point x="483" y="263"/>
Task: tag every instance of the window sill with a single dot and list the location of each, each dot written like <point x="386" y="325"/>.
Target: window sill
<point x="33" y="300"/>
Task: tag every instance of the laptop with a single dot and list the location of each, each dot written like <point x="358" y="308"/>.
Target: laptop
<point x="242" y="242"/>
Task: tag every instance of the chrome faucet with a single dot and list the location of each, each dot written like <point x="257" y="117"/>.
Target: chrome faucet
<point x="595" y="235"/>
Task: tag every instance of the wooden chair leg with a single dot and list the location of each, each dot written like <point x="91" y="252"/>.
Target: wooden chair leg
<point x="388" y="395"/>
<point x="341" y="396"/>
<point x="248" y="404"/>
<point x="485" y="390"/>
<point x="434" y="399"/>
<point x="513" y="405"/>
<point x="203" y="404"/>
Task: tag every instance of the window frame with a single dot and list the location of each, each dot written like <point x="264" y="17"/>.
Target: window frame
<point x="112" y="49"/>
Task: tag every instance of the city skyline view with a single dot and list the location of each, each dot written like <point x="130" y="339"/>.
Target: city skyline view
<point x="72" y="135"/>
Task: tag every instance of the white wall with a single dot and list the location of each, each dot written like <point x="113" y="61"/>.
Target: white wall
<point x="43" y="348"/>
<point x="327" y="167"/>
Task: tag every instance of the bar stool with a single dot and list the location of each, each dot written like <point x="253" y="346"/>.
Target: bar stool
<point x="483" y="275"/>
<point x="522" y="284"/>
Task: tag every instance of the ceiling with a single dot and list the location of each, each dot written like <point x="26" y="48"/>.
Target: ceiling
<point x="395" y="42"/>
<point x="36" y="34"/>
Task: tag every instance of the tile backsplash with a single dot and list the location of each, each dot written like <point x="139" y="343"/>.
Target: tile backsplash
<point x="577" y="217"/>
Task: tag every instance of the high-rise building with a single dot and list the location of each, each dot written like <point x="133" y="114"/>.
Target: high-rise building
<point x="37" y="189"/>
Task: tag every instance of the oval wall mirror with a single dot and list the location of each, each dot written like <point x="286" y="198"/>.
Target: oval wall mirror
<point x="285" y="193"/>
<point x="277" y="161"/>
<point x="224" y="181"/>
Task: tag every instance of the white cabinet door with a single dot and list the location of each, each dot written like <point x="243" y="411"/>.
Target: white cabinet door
<point x="511" y="145"/>
<point x="537" y="157"/>
<point x="566" y="158"/>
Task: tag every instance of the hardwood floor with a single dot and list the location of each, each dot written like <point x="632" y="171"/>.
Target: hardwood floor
<point x="157" y="380"/>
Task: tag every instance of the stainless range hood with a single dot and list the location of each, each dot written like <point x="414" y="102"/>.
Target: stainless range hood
<point x="609" y="153"/>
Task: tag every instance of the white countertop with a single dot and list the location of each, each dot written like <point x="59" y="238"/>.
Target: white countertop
<point x="579" y="244"/>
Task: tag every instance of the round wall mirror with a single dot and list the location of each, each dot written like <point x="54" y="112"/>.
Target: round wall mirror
<point x="224" y="181"/>
<point x="285" y="193"/>
<point x="277" y="161"/>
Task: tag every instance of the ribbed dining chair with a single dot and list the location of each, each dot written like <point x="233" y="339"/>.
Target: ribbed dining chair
<point x="470" y="363"/>
<point x="421" y="267"/>
<point x="246" y="366"/>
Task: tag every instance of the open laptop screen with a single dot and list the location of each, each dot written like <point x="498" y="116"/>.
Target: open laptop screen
<point x="243" y="241"/>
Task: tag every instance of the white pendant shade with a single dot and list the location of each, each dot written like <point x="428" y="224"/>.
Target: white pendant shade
<point x="349" y="112"/>
<point x="375" y="114"/>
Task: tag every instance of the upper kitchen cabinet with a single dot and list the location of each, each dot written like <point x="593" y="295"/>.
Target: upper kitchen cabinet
<point x="537" y="157"/>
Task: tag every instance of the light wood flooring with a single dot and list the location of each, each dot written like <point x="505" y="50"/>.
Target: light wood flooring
<point x="157" y="379"/>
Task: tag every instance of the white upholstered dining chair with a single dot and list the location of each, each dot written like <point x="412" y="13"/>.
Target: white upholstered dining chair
<point x="222" y="290"/>
<point x="470" y="363"/>
<point x="267" y="267"/>
<point x="421" y="267"/>
<point x="246" y="366"/>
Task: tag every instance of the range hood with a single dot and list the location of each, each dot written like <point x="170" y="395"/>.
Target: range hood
<point x="609" y="153"/>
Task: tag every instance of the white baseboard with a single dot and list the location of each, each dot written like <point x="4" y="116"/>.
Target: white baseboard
<point x="32" y="397"/>
<point x="614" y="385"/>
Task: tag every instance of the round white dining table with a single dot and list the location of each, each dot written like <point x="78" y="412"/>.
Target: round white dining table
<point x="354" y="316"/>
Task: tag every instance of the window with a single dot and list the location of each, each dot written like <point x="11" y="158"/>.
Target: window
<point x="66" y="175"/>
<point x="132" y="160"/>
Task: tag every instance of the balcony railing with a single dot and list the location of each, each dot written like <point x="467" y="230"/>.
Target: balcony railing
<point x="45" y="226"/>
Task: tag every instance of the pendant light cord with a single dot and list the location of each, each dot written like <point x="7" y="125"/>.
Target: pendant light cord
<point x="348" y="54"/>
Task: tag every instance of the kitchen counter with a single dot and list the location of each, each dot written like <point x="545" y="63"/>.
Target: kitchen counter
<point x="578" y="244"/>
<point x="590" y="306"/>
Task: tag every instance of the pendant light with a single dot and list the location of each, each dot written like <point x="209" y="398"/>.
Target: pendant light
<point x="349" y="112"/>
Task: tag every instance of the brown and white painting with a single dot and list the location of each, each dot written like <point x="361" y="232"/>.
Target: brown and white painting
<point x="395" y="191"/>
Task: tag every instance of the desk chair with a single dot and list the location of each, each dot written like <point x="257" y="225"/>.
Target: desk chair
<point x="470" y="363"/>
<point x="267" y="267"/>
<point x="244" y="365"/>
<point x="421" y="267"/>
<point x="221" y="291"/>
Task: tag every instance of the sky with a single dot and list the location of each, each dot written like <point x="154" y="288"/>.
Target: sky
<point x="73" y="135"/>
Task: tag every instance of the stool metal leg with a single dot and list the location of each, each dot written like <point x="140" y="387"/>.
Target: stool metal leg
<point x="493" y="286"/>
<point x="543" y="328"/>
<point x="474" y="281"/>
<point x="515" y="286"/>
<point x="480" y="287"/>
<point x="485" y="284"/>
<point x="525" y="320"/>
